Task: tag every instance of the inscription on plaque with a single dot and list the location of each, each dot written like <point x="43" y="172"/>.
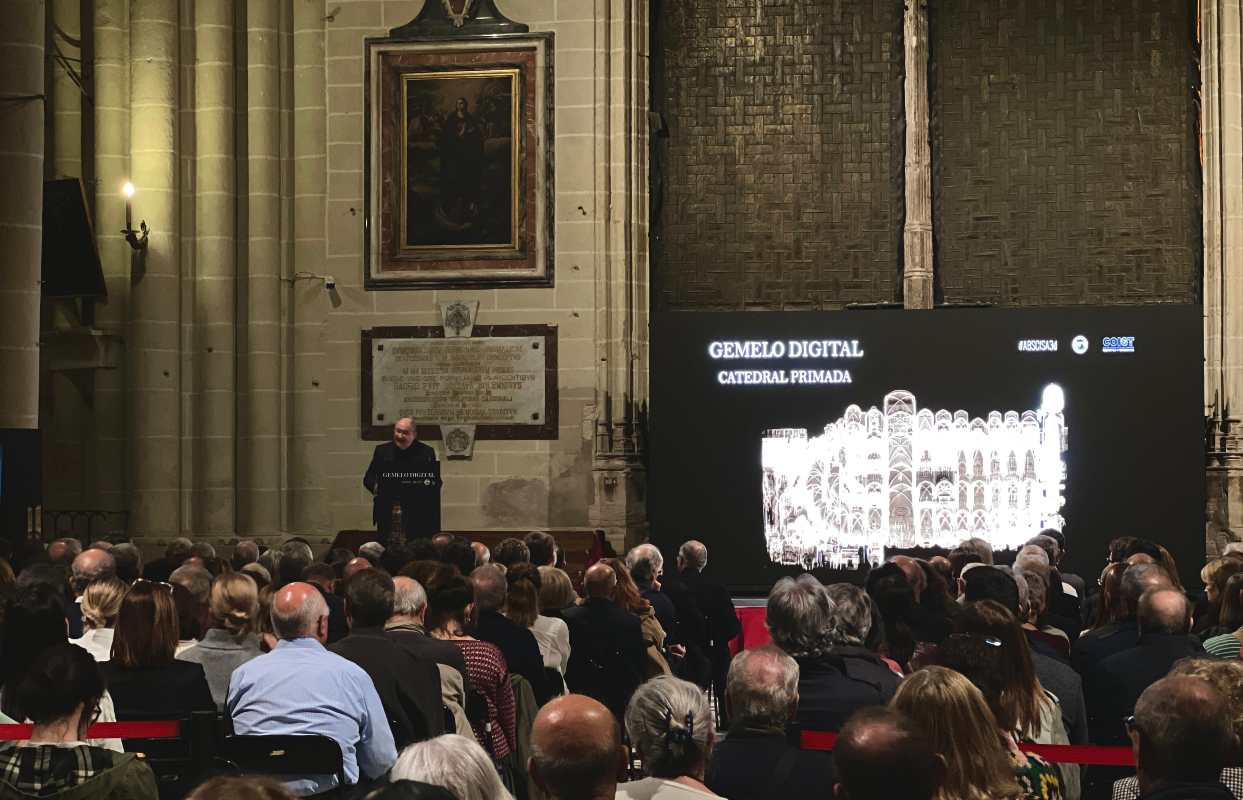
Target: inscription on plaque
<point x="497" y="380"/>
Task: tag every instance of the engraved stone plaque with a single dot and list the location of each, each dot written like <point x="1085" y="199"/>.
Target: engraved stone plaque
<point x="501" y="379"/>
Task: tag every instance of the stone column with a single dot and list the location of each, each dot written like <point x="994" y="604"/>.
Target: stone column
<point x="154" y="335"/>
<point x="21" y="210"/>
<point x="64" y="145"/>
<point x="1222" y="116"/>
<point x="917" y="227"/>
<point x="618" y="477"/>
<point x="260" y="437"/>
<point x="308" y="496"/>
<point x="110" y="422"/>
<point x="214" y="503"/>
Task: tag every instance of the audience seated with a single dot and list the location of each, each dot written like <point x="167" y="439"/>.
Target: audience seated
<point x="981" y="759"/>
<point x="144" y="678"/>
<point x="646" y="564"/>
<point x="627" y="598"/>
<point x="245" y="552"/>
<point x="230" y="639"/>
<point x="191" y="594"/>
<point x="897" y="600"/>
<point x="1229" y="642"/>
<point x="606" y="644"/>
<point x="303" y="688"/>
<point x="1037" y="588"/>
<point x="457" y="552"/>
<point x="1181" y="740"/>
<point x="522" y="607"/>
<point x="1100" y="643"/>
<point x="509" y="552"/>
<point x="1115" y="683"/>
<point x="101" y="602"/>
<point x="259" y="574"/>
<point x="128" y="559"/>
<point x="1227" y="678"/>
<point x="868" y="748"/>
<point x="405" y="626"/>
<point x="89" y="566"/>
<point x="556" y="592"/>
<point x="178" y="550"/>
<point x="240" y="787"/>
<point x="372" y="551"/>
<point x="706" y="618"/>
<point x="449" y="606"/>
<point x="834" y="680"/>
<point x="671" y="730"/>
<point x="409" y="686"/>
<point x="576" y="752"/>
<point x="324" y="578"/>
<point x="755" y="761"/>
<point x="1110" y="606"/>
<point x="61" y="694"/>
<point x="541" y="549"/>
<point x="454" y="763"/>
<point x="514" y="640"/>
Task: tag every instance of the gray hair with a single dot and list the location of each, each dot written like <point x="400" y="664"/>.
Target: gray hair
<point x="762" y="687"/>
<point x="455" y="762"/>
<point x="980" y="547"/>
<point x="128" y="559"/>
<point x="371" y="551"/>
<point x="204" y="550"/>
<point x="800" y="615"/>
<point x="196" y="580"/>
<point x="104" y="566"/>
<point x="300" y="622"/>
<point x="1046" y="543"/>
<point x="646" y="551"/>
<point x="693" y="554"/>
<point x="670" y="725"/>
<point x="296" y="549"/>
<point x="256" y="568"/>
<point x="1140" y="578"/>
<point x="851" y="616"/>
<point x="1032" y="553"/>
<point x="246" y="551"/>
<point x="490" y="587"/>
<point x="409" y="597"/>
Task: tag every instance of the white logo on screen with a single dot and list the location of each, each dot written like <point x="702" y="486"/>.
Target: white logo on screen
<point x="1079" y="344"/>
<point x="1118" y="344"/>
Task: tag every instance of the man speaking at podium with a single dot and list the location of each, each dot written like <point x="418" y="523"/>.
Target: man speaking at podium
<point x="405" y="452"/>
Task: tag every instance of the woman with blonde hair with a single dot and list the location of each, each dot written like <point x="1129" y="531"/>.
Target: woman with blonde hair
<point x="522" y="606"/>
<point x="981" y="760"/>
<point x="556" y="591"/>
<point x="231" y="640"/>
<point x="101" y="602"/>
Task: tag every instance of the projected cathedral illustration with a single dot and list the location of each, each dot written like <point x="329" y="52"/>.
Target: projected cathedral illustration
<point x="901" y="477"/>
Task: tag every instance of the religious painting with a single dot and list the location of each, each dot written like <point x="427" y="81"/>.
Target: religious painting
<point x="459" y="163"/>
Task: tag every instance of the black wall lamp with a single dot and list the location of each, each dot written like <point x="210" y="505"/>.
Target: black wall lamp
<point x="137" y="238"/>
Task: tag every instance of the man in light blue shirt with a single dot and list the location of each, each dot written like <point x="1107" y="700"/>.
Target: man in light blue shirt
<point x="302" y="688"/>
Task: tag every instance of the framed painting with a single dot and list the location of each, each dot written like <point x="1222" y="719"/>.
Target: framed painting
<point x="459" y="162"/>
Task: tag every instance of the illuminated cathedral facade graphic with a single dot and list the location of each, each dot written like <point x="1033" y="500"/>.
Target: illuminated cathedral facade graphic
<point x="898" y="477"/>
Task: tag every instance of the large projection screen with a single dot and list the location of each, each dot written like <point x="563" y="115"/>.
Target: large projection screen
<point x="825" y="442"/>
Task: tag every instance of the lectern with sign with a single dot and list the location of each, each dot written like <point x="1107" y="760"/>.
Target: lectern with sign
<point x="409" y="499"/>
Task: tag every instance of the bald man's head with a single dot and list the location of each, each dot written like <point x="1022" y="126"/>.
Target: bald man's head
<point x="355" y="565"/>
<point x="1164" y="611"/>
<point x="869" y="746"/>
<point x="299" y="611"/>
<point x="92" y="565"/>
<point x="576" y="752"/>
<point x="404" y="433"/>
<point x="600" y="581"/>
<point x="1182" y="732"/>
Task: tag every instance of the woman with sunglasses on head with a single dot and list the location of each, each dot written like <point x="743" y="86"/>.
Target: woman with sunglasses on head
<point x="145" y="680"/>
<point x="60" y="694"/>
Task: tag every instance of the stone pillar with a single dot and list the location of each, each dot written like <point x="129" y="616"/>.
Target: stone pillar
<point x="154" y="334"/>
<point x="64" y="145"/>
<point x="21" y="210"/>
<point x="260" y="436"/>
<point x="621" y="275"/>
<point x="308" y="495"/>
<point x="110" y="427"/>
<point x="917" y="228"/>
<point x="1222" y="116"/>
<point x="213" y="507"/>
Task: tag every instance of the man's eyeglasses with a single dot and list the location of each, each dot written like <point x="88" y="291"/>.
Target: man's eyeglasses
<point x="991" y="641"/>
<point x="165" y="584"/>
<point x="1131" y="725"/>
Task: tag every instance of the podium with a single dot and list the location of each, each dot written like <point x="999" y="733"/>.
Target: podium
<point x="408" y="502"/>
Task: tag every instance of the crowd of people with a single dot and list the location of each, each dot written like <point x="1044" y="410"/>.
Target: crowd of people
<point x="445" y="669"/>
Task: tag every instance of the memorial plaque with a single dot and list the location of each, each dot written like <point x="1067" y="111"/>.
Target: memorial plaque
<point x="501" y="379"/>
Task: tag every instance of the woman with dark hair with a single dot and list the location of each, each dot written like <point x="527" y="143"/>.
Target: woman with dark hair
<point x="894" y="596"/>
<point x="1229" y="643"/>
<point x="522" y="606"/>
<point x="450" y="607"/>
<point x="628" y="599"/>
<point x="146" y="681"/>
<point x="61" y="694"/>
<point x="1111" y="605"/>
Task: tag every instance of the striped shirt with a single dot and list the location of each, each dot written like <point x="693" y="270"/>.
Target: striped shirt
<point x="1227" y="645"/>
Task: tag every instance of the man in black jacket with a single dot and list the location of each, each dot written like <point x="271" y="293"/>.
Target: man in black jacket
<point x="706" y="617"/>
<point x="408" y="687"/>
<point x="515" y="642"/>
<point x="606" y="644"/>
<point x="1182" y="737"/>
<point x="405" y="451"/>
<point x="1100" y="643"/>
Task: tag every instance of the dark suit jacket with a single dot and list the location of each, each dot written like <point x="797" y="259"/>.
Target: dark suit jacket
<point x="170" y="691"/>
<point x="338" y="622"/>
<point x="520" y="649"/>
<point x="744" y="767"/>
<point x="431" y="649"/>
<point x="385" y="456"/>
<point x="408" y="687"/>
<point x="706" y="618"/>
<point x="1116" y="682"/>
<point x="606" y="653"/>
<point x="1059" y="678"/>
<point x="159" y="569"/>
<point x="1095" y="646"/>
<point x="834" y="686"/>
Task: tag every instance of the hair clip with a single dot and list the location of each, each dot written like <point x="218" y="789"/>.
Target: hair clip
<point x="679" y="735"/>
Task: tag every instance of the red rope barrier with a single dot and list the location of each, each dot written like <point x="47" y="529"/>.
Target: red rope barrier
<point x="161" y="729"/>
<point x="1055" y="753"/>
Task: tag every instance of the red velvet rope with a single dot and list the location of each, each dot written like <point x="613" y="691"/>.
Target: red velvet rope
<point x="162" y="729"/>
<point x="1056" y="753"/>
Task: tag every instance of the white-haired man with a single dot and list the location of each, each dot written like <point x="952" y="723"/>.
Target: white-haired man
<point x="301" y="688"/>
<point x="646" y="565"/>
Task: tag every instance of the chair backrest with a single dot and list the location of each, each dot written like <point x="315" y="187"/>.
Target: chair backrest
<point x="285" y="755"/>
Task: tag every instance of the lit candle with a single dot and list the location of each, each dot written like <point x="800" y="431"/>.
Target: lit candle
<point x="128" y="191"/>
